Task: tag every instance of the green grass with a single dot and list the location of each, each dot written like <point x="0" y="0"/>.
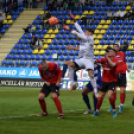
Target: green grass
<point x="23" y="101"/>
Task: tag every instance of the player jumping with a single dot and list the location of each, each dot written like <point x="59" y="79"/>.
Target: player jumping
<point x="51" y="74"/>
<point x="109" y="79"/>
<point x="86" y="51"/>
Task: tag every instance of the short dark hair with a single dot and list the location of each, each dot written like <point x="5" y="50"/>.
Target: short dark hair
<point x="43" y="61"/>
<point x="90" y="30"/>
<point x="112" y="49"/>
<point x="116" y="45"/>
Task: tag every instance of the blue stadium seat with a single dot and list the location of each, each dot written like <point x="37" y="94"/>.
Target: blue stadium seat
<point x="126" y="22"/>
<point x="117" y="27"/>
<point x="56" y="47"/>
<point x="53" y="52"/>
<point x="94" y="8"/>
<point x="61" y="57"/>
<point x="44" y="31"/>
<point x="123" y="27"/>
<point x="49" y="57"/>
<point x="58" y="36"/>
<point x="62" y="47"/>
<point x="108" y="42"/>
<point x="47" y="52"/>
<point x="74" y="57"/>
<point x="105" y="8"/>
<point x="9" y="56"/>
<point x="80" y="13"/>
<point x="116" y="8"/>
<point x="51" y="47"/>
<point x="59" y="52"/>
<point x="111" y="37"/>
<point x="120" y="4"/>
<point x="121" y="32"/>
<point x="129" y="27"/>
<point x="130" y="37"/>
<point x="22" y="46"/>
<point x="22" y="62"/>
<point x="132" y="32"/>
<point x="33" y="63"/>
<point x="16" y="46"/>
<point x="66" y="41"/>
<point x="128" y="53"/>
<point x="114" y="22"/>
<point x="60" y="17"/>
<point x="131" y="59"/>
<point x="65" y="52"/>
<point x="72" y="41"/>
<point x="71" y="52"/>
<point x="4" y="61"/>
<point x="37" y="26"/>
<point x="32" y="57"/>
<point x="26" y="41"/>
<point x="38" y="57"/>
<point x="88" y="8"/>
<point x="63" y="12"/>
<point x="99" y="8"/>
<point x="68" y="57"/>
<point x="131" y="22"/>
<point x="61" y="31"/>
<point x="14" y="56"/>
<point x="111" y="8"/>
<point x="115" y="32"/>
<point x="24" y="36"/>
<point x="123" y="36"/>
<point x="54" y="41"/>
<point x="115" y="3"/>
<point x="120" y="22"/>
<point x="111" y="27"/>
<point x="74" y="12"/>
<point x="70" y="36"/>
<point x="38" y="17"/>
<point x="29" y="51"/>
<point x="94" y="26"/>
<point x="99" y="57"/>
<point x="10" y="62"/>
<point x="39" y="32"/>
<point x="103" y="13"/>
<point x="58" y="13"/>
<point x="64" y="36"/>
<point x="6" y="26"/>
<point x="102" y="42"/>
<point x="18" y="51"/>
<point x="20" y="41"/>
<point x="67" y="32"/>
<point x="97" y="13"/>
<point x="43" y="57"/>
<point x="29" y="36"/>
<point x="117" y="37"/>
<point x="105" y="37"/>
<point x="104" y="17"/>
<point x="26" y="57"/>
<point x="12" y="51"/>
<point x="103" y="3"/>
<point x="77" y="53"/>
<point x="126" y="32"/>
<point x="53" y="13"/>
<point x="20" y="56"/>
<point x="133" y="8"/>
<point x="14" y="17"/>
<point x="60" y="41"/>
<point x="108" y="32"/>
<point x="35" y="22"/>
<point x="41" y="36"/>
<point x="98" y="4"/>
<point x="66" y="17"/>
<point x="96" y="22"/>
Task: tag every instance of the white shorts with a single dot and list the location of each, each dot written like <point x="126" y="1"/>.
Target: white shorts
<point x="85" y="63"/>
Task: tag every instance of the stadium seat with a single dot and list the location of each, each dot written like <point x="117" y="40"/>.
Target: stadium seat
<point x="111" y="37"/>
<point x="56" y="31"/>
<point x="59" y="52"/>
<point x="47" y="36"/>
<point x="35" y="51"/>
<point x="99" y="36"/>
<point x="99" y="27"/>
<point x="45" y="46"/>
<point x="56" y="47"/>
<point x="60" y="41"/>
<point x="62" y="47"/>
<point x="67" y="57"/>
<point x="128" y="53"/>
<point x="108" y="22"/>
<point x="99" y="47"/>
<point x="66" y="41"/>
<point x="51" y="47"/>
<point x="104" y="47"/>
<point x="41" y="51"/>
<point x="102" y="22"/>
<point x="102" y="52"/>
<point x="4" y="22"/>
<point x="96" y="42"/>
<point x="52" y="36"/>
<point x="61" y="58"/>
<point x="55" y="41"/>
<point x="102" y="42"/>
<point x="130" y="47"/>
<point x="65" y="52"/>
<point x="105" y="27"/>
<point x="128" y="8"/>
<point x="50" y="31"/>
<point x="64" y="36"/>
<point x="103" y="31"/>
<point x="96" y="52"/>
<point x="71" y="52"/>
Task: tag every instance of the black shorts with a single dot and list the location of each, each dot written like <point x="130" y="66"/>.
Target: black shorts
<point x="48" y="89"/>
<point x="107" y="86"/>
<point x="122" y="80"/>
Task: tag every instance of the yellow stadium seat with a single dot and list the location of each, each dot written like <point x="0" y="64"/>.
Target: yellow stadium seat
<point x="105" y="27"/>
<point x="50" y="31"/>
<point x="45" y="21"/>
<point x="45" y="46"/>
<point x="99" y="27"/>
<point x="35" y="51"/>
<point x="41" y="51"/>
<point x="96" y="42"/>
<point x="41" y="12"/>
<point x="85" y="12"/>
<point x="108" y="22"/>
<point x="56" y="31"/>
<point x="99" y="36"/>
<point x="47" y="36"/>
<point x="77" y="17"/>
<point x="104" y="47"/>
<point x="49" y="41"/>
<point x="43" y="41"/>
<point x="96" y="31"/>
<point x="128" y="8"/>
<point x="8" y="17"/>
<point x="72" y="22"/>
<point x="91" y="13"/>
<point x="94" y="35"/>
<point x="10" y="22"/>
<point x="130" y="47"/>
<point x="68" y="21"/>
<point x="103" y="22"/>
<point x="111" y="46"/>
<point x="103" y="31"/>
<point x="99" y="47"/>
<point x="4" y="22"/>
<point x="94" y="46"/>
<point x="132" y="42"/>
<point x="96" y="52"/>
<point x="52" y="36"/>
<point x="102" y="53"/>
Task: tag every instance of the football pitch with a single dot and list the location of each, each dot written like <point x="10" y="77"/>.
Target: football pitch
<point x="19" y="106"/>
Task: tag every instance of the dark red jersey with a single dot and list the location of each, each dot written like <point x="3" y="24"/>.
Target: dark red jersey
<point x="109" y="73"/>
<point x="120" y="58"/>
<point x="52" y="74"/>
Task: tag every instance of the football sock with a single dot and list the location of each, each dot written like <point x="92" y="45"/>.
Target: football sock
<point x="122" y="98"/>
<point x="71" y="75"/>
<point x="43" y="105"/>
<point x="64" y="70"/>
<point x="95" y="102"/>
<point x="99" y="103"/>
<point x="114" y="96"/>
<point x="75" y="77"/>
<point x="58" y="105"/>
<point x="86" y="100"/>
<point x="93" y="82"/>
<point x="112" y="102"/>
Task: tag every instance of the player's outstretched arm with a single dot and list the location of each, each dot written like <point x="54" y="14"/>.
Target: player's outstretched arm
<point x="73" y="48"/>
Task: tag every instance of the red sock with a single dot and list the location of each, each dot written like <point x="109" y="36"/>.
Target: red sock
<point x="114" y="96"/>
<point x="99" y="103"/>
<point x="43" y="105"/>
<point x="112" y="102"/>
<point x="122" y="98"/>
<point x="58" y="105"/>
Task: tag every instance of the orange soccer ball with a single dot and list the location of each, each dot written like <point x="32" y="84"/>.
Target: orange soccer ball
<point x="53" y="21"/>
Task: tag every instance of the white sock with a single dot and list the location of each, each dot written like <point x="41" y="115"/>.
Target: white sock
<point x="114" y="110"/>
<point x="97" y="110"/>
<point x="93" y="82"/>
<point x="71" y="75"/>
<point x="121" y="104"/>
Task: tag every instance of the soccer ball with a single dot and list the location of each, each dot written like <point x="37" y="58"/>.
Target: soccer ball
<point x="53" y="21"/>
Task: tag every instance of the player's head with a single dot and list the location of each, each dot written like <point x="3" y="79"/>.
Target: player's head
<point x="89" y="31"/>
<point x="44" y="65"/>
<point x="111" y="52"/>
<point x="116" y="47"/>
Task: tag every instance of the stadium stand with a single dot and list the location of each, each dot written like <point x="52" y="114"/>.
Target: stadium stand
<point x="55" y="39"/>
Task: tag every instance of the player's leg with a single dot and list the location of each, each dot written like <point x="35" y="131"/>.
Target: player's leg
<point x="122" y="85"/>
<point x="133" y="101"/>
<point x="55" y="93"/>
<point x="43" y="93"/>
<point x="85" y="92"/>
